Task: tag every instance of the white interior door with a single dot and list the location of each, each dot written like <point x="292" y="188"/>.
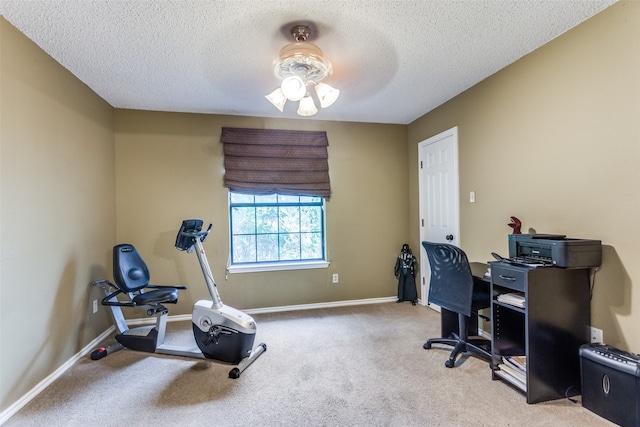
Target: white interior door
<point x="439" y="197"/>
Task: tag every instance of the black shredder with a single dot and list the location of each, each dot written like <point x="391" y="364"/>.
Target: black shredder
<point x="611" y="383"/>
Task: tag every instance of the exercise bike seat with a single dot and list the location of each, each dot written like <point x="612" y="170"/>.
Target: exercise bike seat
<point x="130" y="274"/>
<point x="157" y="296"/>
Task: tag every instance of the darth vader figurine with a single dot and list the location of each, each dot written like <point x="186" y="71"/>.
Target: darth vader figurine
<point x="405" y="272"/>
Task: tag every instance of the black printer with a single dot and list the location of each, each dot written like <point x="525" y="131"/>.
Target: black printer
<point x="554" y="250"/>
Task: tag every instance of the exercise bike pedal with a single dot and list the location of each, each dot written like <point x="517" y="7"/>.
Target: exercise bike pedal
<point x="158" y="310"/>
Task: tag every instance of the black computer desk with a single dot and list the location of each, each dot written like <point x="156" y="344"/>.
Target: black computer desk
<point x="449" y="319"/>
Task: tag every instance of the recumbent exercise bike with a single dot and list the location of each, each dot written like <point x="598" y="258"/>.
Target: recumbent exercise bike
<point x="222" y="333"/>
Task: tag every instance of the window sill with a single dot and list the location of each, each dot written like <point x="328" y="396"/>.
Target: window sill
<point x="279" y="266"/>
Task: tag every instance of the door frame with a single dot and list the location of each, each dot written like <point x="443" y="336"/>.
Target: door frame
<point x="422" y="188"/>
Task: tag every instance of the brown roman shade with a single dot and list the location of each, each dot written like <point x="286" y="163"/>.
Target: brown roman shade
<point x="266" y="161"/>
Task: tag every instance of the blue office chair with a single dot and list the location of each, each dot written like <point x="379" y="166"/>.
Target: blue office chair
<point x="451" y="287"/>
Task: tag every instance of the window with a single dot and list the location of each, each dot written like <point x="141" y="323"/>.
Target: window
<point x="276" y="231"/>
<point x="278" y="182"/>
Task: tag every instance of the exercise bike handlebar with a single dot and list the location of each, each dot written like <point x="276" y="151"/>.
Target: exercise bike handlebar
<point x="202" y="235"/>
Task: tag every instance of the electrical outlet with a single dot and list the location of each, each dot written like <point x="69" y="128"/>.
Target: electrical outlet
<point x="472" y="197"/>
<point x="335" y="278"/>
<point x="596" y="335"/>
<point x="95" y="306"/>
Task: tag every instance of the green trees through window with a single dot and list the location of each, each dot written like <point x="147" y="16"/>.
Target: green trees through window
<point x="276" y="228"/>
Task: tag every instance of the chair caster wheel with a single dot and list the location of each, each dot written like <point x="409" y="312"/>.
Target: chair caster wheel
<point x="426" y="346"/>
<point x="449" y="364"/>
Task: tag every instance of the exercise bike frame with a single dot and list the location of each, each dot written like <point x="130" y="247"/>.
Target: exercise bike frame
<point x="161" y="314"/>
<point x="151" y="338"/>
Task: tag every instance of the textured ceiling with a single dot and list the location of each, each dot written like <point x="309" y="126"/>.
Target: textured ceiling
<point x="393" y="60"/>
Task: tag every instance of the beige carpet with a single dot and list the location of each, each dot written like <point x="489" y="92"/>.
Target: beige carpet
<point x="349" y="366"/>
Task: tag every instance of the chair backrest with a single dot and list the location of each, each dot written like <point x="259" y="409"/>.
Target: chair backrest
<point x="451" y="285"/>
<point x="130" y="272"/>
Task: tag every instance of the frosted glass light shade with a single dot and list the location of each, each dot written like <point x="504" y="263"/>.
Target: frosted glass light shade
<point x="326" y="94"/>
<point x="293" y="88"/>
<point x="277" y="98"/>
<point x="307" y="107"/>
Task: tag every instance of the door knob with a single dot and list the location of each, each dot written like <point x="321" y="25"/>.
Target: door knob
<point x="449" y="237"/>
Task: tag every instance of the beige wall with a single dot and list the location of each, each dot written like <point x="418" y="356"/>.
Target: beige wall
<point x="170" y="167"/>
<point x="57" y="213"/>
<point x="554" y="139"/>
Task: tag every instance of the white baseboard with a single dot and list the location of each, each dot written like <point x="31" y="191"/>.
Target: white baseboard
<point x="321" y="305"/>
<point x="20" y="403"/>
<point x="278" y="309"/>
<point x="11" y="410"/>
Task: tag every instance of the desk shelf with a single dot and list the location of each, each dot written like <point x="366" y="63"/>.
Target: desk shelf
<point x="505" y="376"/>
<point x="510" y="307"/>
<point x="548" y="331"/>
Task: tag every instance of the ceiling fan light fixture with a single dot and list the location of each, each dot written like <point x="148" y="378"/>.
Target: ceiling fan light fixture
<point x="300" y="65"/>
<point x="294" y="88"/>
<point x="277" y="98"/>
<point x="307" y="107"/>
<point x="326" y="94"/>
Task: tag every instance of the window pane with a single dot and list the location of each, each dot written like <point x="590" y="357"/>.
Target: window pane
<point x="267" y="220"/>
<point x="243" y="220"/>
<point x="268" y="198"/>
<point x="288" y="199"/>
<point x="289" y="219"/>
<point x="244" y="248"/>
<point x="267" y="247"/>
<point x="305" y="199"/>
<point x="241" y="198"/>
<point x="311" y="244"/>
<point x="310" y="218"/>
<point x="289" y="246"/>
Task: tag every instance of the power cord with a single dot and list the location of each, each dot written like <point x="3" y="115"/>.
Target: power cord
<point x="566" y="394"/>
<point x="592" y="279"/>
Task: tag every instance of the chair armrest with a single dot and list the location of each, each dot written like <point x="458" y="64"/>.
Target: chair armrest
<point x="112" y="300"/>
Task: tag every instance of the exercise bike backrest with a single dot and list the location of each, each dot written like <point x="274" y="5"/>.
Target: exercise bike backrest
<point x="190" y="230"/>
<point x="130" y="272"/>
